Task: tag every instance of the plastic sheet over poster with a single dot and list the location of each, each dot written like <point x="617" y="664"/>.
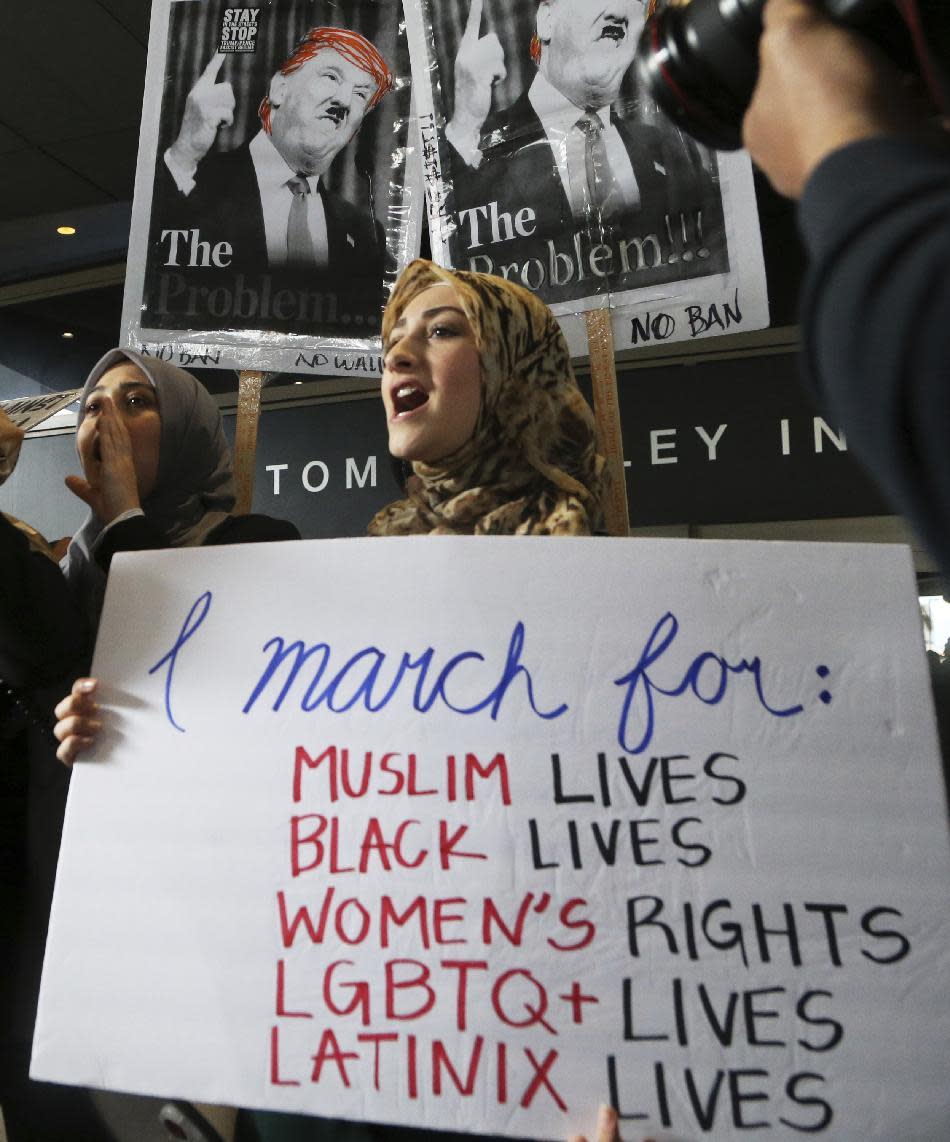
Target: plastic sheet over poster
<point x="278" y="189"/>
<point x="483" y="848"/>
<point x="545" y="164"/>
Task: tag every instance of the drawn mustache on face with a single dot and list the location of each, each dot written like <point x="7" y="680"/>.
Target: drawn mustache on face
<point x="335" y="111"/>
<point x="614" y="28"/>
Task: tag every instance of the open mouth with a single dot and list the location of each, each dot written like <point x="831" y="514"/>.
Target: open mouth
<point x="407" y="397"/>
<point x="97" y="452"/>
<point x="614" y="28"/>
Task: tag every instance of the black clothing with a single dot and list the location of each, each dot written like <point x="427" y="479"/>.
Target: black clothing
<point x="39" y="626"/>
<point x="45" y="644"/>
<point x="138" y="534"/>
<point x="875" y="317"/>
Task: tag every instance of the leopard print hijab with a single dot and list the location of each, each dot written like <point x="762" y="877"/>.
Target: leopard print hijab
<point x="532" y="466"/>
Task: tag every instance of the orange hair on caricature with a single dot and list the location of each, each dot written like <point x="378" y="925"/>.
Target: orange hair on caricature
<point x="535" y="50"/>
<point x="535" y="47"/>
<point x="352" y="46"/>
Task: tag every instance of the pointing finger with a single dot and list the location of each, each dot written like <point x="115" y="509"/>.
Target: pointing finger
<point x="494" y="58"/>
<point x="223" y="105"/>
<point x="210" y="73"/>
<point x="474" y="22"/>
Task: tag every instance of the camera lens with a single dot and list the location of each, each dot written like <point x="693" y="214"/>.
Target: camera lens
<point x="700" y="63"/>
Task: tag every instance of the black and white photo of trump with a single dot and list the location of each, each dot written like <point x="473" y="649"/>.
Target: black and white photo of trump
<point x="257" y="221"/>
<point x="562" y="176"/>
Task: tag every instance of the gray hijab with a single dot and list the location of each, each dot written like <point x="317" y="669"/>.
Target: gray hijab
<point x="194" y="491"/>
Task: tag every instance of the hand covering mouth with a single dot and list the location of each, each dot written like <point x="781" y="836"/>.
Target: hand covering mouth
<point x="407" y="397"/>
<point x="614" y="28"/>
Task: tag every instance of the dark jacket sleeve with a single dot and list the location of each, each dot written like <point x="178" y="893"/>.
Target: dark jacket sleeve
<point x="253" y="529"/>
<point x="42" y="634"/>
<point x="138" y="534"/>
<point x="876" y="318"/>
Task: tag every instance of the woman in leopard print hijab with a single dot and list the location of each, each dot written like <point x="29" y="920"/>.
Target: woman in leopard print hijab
<point x="481" y="398"/>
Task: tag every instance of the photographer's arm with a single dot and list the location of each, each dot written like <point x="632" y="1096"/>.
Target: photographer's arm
<point x="874" y="317"/>
<point x="829" y="121"/>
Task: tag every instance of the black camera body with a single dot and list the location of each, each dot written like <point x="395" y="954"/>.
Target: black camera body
<point x="700" y="62"/>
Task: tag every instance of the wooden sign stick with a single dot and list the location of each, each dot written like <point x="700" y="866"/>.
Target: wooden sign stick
<point x="245" y="437"/>
<point x="603" y="375"/>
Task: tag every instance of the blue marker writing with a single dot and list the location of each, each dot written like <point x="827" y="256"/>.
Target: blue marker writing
<point x="371" y="678"/>
<point x="202" y="604"/>
<point x="718" y="672"/>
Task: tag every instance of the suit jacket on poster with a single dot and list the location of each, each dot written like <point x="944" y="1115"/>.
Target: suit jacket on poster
<point x="518" y="169"/>
<point x="225" y="205"/>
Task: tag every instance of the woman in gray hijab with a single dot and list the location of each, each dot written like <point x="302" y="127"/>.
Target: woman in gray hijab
<point x="157" y="471"/>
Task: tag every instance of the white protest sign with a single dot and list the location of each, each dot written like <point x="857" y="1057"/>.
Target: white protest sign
<point x="217" y="277"/>
<point x="480" y="833"/>
<point x="29" y="412"/>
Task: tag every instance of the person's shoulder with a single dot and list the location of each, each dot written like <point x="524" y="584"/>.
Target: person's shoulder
<point x="252" y="529"/>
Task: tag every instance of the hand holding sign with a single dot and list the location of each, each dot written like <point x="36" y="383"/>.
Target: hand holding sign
<point x="460" y="911"/>
<point x="77" y="722"/>
<point x="479" y="63"/>
<point x="209" y="105"/>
